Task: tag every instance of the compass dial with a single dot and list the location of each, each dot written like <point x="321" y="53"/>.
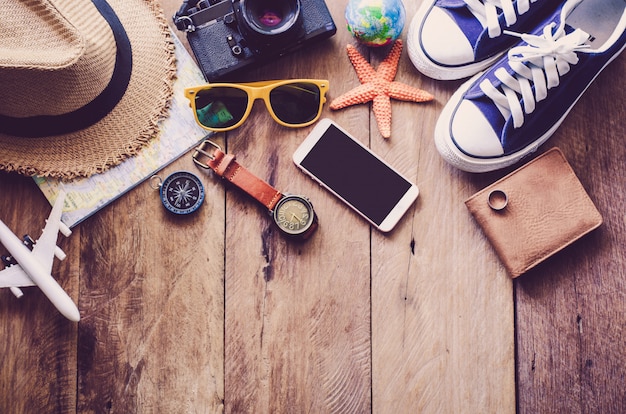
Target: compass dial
<point x="182" y="192"/>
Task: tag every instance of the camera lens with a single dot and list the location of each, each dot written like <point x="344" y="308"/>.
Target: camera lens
<point x="272" y="17"/>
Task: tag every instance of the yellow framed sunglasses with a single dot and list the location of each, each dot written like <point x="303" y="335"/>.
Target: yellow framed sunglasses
<point x="225" y="106"/>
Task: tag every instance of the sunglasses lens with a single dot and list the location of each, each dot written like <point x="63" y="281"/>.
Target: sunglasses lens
<point x="296" y="103"/>
<point x="220" y="106"/>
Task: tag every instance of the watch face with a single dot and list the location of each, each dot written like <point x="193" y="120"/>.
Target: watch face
<point x="182" y="192"/>
<point x="294" y="214"/>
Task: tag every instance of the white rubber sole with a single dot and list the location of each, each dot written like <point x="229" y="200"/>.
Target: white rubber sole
<point x="458" y="159"/>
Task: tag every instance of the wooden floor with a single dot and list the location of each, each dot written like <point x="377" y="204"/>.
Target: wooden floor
<point x="220" y="313"/>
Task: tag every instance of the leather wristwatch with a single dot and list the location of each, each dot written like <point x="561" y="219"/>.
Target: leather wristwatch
<point x="293" y="214"/>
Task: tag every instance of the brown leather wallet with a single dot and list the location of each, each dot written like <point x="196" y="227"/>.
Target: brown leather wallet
<point x="534" y="212"/>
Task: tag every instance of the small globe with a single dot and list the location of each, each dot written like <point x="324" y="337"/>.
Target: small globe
<point x="375" y="22"/>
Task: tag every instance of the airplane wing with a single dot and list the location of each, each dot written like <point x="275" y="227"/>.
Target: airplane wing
<point x="46" y="246"/>
<point x="14" y="276"/>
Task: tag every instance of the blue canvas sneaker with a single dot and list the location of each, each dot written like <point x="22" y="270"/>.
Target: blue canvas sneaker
<point x="500" y="116"/>
<point x="454" y="39"/>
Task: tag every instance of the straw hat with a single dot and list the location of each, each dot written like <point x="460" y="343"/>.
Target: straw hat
<point x="83" y="83"/>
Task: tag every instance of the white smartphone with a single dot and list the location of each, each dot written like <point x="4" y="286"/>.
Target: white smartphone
<point x="352" y="172"/>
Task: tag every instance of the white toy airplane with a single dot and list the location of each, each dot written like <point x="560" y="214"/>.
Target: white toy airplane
<point x="34" y="267"/>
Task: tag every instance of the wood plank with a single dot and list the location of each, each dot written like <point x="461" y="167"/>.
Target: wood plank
<point x="297" y="316"/>
<point x="571" y="339"/>
<point x="442" y="309"/>
<point x="151" y="337"/>
<point x="38" y="345"/>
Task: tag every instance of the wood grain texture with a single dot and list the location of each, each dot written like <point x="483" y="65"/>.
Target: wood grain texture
<point x="441" y="313"/>
<point x="297" y="315"/>
<point x="571" y="317"/>
<point x="38" y="354"/>
<point x="151" y="337"/>
<point x="218" y="312"/>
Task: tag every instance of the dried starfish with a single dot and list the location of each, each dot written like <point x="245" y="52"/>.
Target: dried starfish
<point x="378" y="86"/>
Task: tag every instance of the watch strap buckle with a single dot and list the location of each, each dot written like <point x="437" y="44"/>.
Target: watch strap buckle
<point x="204" y="153"/>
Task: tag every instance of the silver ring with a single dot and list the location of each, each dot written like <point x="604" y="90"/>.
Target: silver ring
<point x="497" y="200"/>
<point x="155" y="182"/>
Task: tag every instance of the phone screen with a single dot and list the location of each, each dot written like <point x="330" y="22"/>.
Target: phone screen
<point x="355" y="174"/>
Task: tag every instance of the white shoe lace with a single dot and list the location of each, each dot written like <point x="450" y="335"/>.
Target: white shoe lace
<point x="486" y="11"/>
<point x="538" y="64"/>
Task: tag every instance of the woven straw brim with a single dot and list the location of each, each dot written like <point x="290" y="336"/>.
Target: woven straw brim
<point x="128" y="127"/>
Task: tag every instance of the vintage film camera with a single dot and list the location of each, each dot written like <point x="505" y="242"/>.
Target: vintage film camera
<point x="229" y="35"/>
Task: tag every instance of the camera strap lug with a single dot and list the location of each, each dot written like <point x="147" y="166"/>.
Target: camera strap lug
<point x="235" y="47"/>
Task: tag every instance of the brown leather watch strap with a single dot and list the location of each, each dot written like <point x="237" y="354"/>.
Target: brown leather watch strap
<point x="228" y="168"/>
